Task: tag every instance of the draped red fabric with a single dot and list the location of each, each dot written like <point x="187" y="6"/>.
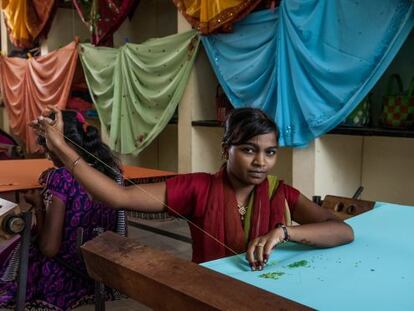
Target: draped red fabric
<point x="29" y="85"/>
<point x="104" y="17"/>
<point x="209" y="201"/>
<point x="266" y="214"/>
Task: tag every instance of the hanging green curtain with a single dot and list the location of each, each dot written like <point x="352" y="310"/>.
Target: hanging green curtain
<point x="136" y="88"/>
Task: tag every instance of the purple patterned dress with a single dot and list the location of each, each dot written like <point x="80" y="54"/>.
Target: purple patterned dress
<point x="51" y="285"/>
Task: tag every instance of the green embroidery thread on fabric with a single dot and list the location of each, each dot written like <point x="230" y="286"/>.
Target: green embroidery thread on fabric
<point x="272" y="263"/>
<point x="271" y="275"/>
<point x="298" y="264"/>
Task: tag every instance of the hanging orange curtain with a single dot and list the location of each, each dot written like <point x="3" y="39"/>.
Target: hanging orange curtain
<point x="210" y="16"/>
<point x="26" y="20"/>
<point x="29" y="85"/>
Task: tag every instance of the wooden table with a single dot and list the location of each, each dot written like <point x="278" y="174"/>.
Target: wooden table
<point x="17" y="175"/>
<point x="20" y="175"/>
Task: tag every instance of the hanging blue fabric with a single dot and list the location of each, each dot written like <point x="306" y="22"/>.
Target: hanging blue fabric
<point x="310" y="62"/>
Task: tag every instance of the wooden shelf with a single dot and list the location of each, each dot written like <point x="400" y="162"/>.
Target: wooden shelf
<point x="369" y="131"/>
<point x="341" y="130"/>
<point x="207" y="123"/>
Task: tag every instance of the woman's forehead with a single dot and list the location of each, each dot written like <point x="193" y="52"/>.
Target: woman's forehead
<point x="267" y="140"/>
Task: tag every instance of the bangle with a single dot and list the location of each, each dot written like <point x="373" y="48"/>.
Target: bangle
<point x="74" y="163"/>
<point x="285" y="232"/>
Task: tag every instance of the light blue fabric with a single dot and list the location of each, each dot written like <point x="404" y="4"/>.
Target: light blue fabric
<point x="310" y="62"/>
<point x="375" y="272"/>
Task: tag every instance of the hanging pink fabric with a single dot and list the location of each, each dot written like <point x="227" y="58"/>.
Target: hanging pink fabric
<point x="104" y="17"/>
<point x="29" y="85"/>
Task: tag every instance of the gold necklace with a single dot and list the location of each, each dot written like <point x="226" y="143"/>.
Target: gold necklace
<point x="242" y="210"/>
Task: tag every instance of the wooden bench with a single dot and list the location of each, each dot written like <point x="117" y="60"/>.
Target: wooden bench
<point x="165" y="282"/>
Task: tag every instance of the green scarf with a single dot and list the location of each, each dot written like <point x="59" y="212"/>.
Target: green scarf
<point x="273" y="183"/>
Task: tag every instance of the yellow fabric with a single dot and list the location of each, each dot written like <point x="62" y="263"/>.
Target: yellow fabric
<point x="273" y="183"/>
<point x="15" y="12"/>
<point x="210" y="16"/>
<point x="206" y="10"/>
<point x="26" y="19"/>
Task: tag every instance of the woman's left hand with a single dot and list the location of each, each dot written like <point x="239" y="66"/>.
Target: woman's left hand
<point x="259" y="249"/>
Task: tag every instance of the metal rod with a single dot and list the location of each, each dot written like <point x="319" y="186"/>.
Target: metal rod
<point x="99" y="296"/>
<point x="24" y="262"/>
<point x="358" y="192"/>
<point x="166" y="233"/>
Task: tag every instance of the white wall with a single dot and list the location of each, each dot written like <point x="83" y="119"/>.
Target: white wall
<point x="206" y="149"/>
<point x="152" y="19"/>
<point x="65" y="26"/>
<point x="338" y="162"/>
<point x="303" y="169"/>
<point x="388" y="169"/>
<point x="205" y="141"/>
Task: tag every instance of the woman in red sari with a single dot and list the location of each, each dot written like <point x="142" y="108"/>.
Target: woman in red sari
<point x="239" y="209"/>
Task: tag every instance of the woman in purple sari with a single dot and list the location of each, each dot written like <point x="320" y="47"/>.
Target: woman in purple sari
<point x="57" y="278"/>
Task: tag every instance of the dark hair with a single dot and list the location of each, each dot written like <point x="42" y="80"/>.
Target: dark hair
<point x="86" y="140"/>
<point x="245" y="123"/>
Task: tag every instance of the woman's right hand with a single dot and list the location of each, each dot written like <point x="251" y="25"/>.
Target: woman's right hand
<point x="51" y="130"/>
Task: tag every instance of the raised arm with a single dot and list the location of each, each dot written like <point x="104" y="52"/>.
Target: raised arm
<point x="145" y="197"/>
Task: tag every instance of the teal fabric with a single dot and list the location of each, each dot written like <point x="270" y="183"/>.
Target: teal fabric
<point x="375" y="272"/>
<point x="136" y="88"/>
<point x="309" y="63"/>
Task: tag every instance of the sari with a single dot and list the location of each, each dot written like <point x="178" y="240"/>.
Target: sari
<point x="27" y="20"/>
<point x="104" y="17"/>
<point x="210" y="16"/>
<point x="30" y="85"/>
<point x="209" y="202"/>
<point x="51" y="283"/>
